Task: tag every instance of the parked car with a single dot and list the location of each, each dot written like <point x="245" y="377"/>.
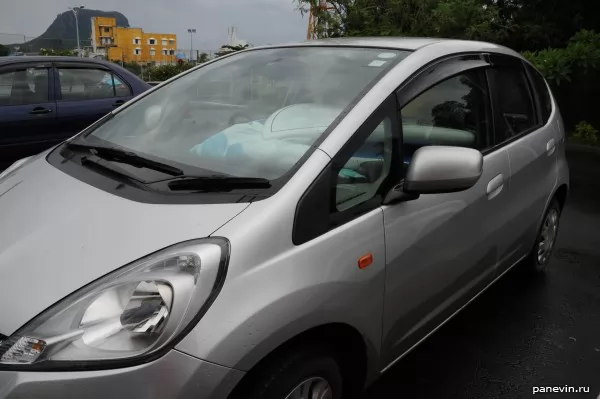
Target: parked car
<point x="284" y="222"/>
<point x="45" y="100"/>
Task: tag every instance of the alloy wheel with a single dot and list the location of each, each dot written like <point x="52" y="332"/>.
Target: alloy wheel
<point x="547" y="237"/>
<point x="311" y="388"/>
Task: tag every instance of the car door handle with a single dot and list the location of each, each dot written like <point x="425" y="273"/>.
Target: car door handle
<point x="118" y="103"/>
<point x="495" y="186"/>
<point x="40" y="111"/>
<point x="550" y="147"/>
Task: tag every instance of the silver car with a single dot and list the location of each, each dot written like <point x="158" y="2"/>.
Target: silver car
<point x="284" y="222"/>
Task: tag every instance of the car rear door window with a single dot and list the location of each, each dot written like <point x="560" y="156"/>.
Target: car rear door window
<point x="514" y="102"/>
<point x="24" y="86"/>
<point x="77" y="84"/>
<point x="454" y="112"/>
<point x="541" y="88"/>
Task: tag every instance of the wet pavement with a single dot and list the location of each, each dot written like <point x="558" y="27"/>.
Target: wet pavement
<point x="523" y="332"/>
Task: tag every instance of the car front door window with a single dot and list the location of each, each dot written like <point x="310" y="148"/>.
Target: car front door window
<point x="24" y="86"/>
<point x="453" y="113"/>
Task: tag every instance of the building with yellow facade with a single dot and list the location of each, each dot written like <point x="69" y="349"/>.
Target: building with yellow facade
<point x="117" y="43"/>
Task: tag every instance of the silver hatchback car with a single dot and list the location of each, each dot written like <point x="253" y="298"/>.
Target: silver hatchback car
<point x="284" y="222"/>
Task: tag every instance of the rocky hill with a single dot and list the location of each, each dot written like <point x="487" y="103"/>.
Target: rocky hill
<point x="62" y="34"/>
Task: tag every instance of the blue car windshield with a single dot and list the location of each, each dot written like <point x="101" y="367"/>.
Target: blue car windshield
<point x="254" y="114"/>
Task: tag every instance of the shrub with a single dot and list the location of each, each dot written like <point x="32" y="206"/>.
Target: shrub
<point x="586" y="133"/>
<point x="165" y="72"/>
<point x="582" y="55"/>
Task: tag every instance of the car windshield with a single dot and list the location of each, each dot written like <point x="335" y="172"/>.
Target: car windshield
<point x="254" y="114"/>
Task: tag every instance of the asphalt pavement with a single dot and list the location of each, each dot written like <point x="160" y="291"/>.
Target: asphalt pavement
<point x="523" y="333"/>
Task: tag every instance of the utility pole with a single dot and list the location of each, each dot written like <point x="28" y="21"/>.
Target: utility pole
<point x="191" y="32"/>
<point x="75" y="11"/>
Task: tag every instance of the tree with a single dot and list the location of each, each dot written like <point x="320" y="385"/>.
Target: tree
<point x="468" y="19"/>
<point x="202" y="58"/>
<point x="4" y="51"/>
<point x="465" y="19"/>
<point x="538" y="24"/>
<point x="49" y="51"/>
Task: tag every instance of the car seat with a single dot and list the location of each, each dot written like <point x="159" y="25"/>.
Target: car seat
<point x="41" y="88"/>
<point x="21" y="93"/>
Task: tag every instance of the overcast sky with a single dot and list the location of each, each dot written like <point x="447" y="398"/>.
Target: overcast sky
<point x="258" y="21"/>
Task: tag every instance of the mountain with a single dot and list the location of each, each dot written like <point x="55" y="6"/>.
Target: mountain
<point x="62" y="33"/>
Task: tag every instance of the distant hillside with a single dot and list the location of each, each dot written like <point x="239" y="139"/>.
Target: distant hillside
<point x="62" y="34"/>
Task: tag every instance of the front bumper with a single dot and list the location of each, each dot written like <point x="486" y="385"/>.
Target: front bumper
<point x="175" y="375"/>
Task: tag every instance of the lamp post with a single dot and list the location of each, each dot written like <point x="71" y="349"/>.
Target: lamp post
<point x="191" y="32"/>
<point x="75" y="11"/>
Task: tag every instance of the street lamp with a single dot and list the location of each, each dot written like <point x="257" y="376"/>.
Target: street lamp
<point x="191" y="32"/>
<point x="75" y="11"/>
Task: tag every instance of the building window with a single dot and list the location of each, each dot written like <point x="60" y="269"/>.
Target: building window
<point x="137" y="40"/>
<point x="152" y="52"/>
<point x="172" y="52"/>
<point x="137" y="51"/>
<point x="171" y="41"/>
<point x="106" y="30"/>
<point x="165" y="51"/>
<point x="164" y="42"/>
<point x="152" y="41"/>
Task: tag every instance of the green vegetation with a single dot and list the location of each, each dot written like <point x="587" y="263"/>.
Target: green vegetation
<point x="585" y="134"/>
<point x="581" y="55"/>
<point x="49" y="51"/>
<point x="161" y="73"/>
<point x="202" y="58"/>
<point x="164" y="72"/>
<point x="4" y="51"/>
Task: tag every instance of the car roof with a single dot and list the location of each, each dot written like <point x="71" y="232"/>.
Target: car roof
<point x="44" y="58"/>
<point x="401" y="43"/>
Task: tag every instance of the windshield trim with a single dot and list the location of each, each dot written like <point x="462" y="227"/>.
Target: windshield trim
<point x="57" y="160"/>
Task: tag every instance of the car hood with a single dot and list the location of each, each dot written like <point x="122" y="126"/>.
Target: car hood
<point x="58" y="234"/>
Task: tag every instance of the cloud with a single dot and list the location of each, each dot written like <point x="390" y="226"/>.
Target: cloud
<point x="258" y="21"/>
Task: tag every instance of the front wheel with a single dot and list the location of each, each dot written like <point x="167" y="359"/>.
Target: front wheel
<point x="546" y="239"/>
<point x="296" y="375"/>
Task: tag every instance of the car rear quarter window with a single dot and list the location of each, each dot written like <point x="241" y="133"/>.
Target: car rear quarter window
<point x="543" y="94"/>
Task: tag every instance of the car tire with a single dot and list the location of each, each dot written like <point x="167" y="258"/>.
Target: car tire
<point x="545" y="241"/>
<point x="315" y="373"/>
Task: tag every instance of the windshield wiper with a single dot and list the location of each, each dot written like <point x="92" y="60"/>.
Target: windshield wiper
<point x="127" y="157"/>
<point x="218" y="183"/>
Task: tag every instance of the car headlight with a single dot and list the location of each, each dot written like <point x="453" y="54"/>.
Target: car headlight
<point x="132" y="313"/>
<point x="13" y="167"/>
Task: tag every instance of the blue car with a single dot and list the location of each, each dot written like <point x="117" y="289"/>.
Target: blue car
<point x="45" y="100"/>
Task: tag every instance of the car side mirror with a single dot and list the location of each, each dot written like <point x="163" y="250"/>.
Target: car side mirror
<point x="437" y="170"/>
